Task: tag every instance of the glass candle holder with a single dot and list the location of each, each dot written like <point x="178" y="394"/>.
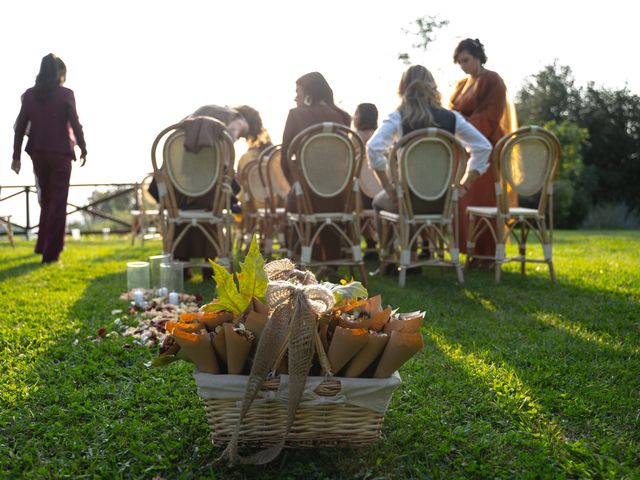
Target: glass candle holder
<point x="171" y="276"/>
<point x="137" y="275"/>
<point x="154" y="264"/>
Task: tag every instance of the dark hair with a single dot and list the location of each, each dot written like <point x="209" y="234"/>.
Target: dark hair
<point x="474" y="47"/>
<point x="62" y="69"/>
<point x="252" y="117"/>
<point x="366" y="117"/>
<point x="48" y="77"/>
<point x="316" y="87"/>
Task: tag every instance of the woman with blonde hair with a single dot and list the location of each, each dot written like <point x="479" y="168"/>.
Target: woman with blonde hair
<point x="420" y="107"/>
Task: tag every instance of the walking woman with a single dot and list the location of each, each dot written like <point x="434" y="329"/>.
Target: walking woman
<point x="48" y="115"/>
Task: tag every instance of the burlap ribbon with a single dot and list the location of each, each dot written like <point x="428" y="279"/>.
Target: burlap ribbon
<point x="291" y="327"/>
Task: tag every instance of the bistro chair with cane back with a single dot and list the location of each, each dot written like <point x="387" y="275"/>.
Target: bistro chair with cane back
<point x="146" y="214"/>
<point x="254" y="199"/>
<point x="201" y="179"/>
<point x="325" y="160"/>
<point x="525" y="161"/>
<point x="426" y="167"/>
<point x="277" y="188"/>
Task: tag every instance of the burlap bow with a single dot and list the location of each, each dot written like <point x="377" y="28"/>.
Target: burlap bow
<point x="291" y="327"/>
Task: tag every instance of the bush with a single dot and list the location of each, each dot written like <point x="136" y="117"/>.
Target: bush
<point x="612" y="216"/>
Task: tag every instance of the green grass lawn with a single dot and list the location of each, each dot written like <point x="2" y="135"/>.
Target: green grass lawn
<point x="524" y="379"/>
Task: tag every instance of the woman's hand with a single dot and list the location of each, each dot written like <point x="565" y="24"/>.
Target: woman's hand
<point x="15" y="165"/>
<point x="467" y="181"/>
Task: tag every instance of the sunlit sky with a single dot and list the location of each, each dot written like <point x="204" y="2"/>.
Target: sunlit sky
<point x="137" y="67"/>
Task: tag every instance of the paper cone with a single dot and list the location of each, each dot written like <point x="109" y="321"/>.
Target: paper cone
<point x="374" y="305"/>
<point x="185" y="327"/>
<point x="324" y="329"/>
<point x="259" y="307"/>
<point x="220" y="344"/>
<point x="400" y="348"/>
<point x="212" y="319"/>
<point x="380" y="319"/>
<point x="344" y="345"/>
<point x="198" y="348"/>
<point x="238" y="348"/>
<point x="255" y="323"/>
<point x="361" y="322"/>
<point x="405" y="322"/>
<point x="367" y="355"/>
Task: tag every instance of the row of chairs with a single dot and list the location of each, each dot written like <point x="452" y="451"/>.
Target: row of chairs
<point x="325" y="161"/>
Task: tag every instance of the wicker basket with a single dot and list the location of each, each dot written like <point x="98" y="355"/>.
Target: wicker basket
<point x="330" y="417"/>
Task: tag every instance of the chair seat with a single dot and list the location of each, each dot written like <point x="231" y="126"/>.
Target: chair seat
<point x="321" y="217"/>
<point x="513" y="212"/>
<point x="137" y="213"/>
<point x="205" y="215"/>
<point x="424" y="218"/>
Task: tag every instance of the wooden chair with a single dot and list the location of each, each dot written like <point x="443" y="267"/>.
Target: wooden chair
<point x="426" y="166"/>
<point x="277" y="189"/>
<point x="254" y="200"/>
<point x="146" y="213"/>
<point x="185" y="177"/>
<point x="526" y="161"/>
<point x="324" y="160"/>
<point x="5" y="220"/>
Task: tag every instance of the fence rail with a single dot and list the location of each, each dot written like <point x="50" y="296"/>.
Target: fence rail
<point x="28" y="190"/>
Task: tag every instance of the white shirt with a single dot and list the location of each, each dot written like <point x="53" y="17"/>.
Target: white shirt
<point x="391" y="131"/>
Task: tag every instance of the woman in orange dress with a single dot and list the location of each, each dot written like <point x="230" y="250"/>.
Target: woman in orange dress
<point x="482" y="98"/>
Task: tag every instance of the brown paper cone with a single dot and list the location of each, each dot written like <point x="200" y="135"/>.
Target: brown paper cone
<point x="259" y="307"/>
<point x="380" y="319"/>
<point x="212" y="320"/>
<point x="324" y="329"/>
<point x="363" y="322"/>
<point x="220" y="345"/>
<point x="400" y="348"/>
<point x="198" y="348"/>
<point x="255" y="323"/>
<point x="367" y="355"/>
<point x="374" y="305"/>
<point x="406" y="322"/>
<point x="238" y="347"/>
<point x="344" y="345"/>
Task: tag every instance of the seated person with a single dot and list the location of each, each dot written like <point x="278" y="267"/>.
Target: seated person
<point x="365" y="122"/>
<point x="420" y="107"/>
<point x="241" y="122"/>
<point x="314" y="104"/>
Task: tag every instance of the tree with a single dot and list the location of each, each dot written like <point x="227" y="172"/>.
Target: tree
<point x="548" y="95"/>
<point x="613" y="120"/>
<point x="425" y="28"/>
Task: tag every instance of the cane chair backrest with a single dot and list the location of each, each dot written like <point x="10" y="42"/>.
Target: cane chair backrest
<point x="254" y="185"/>
<point x="272" y="176"/>
<point x="186" y="175"/>
<point x="526" y="161"/>
<point x="144" y="200"/>
<point x="192" y="174"/>
<point x="429" y="162"/>
<point x="325" y="158"/>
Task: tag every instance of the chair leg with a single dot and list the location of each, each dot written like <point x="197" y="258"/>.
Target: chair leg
<point x="134" y="228"/>
<point x="402" y="277"/>
<point x="470" y="240"/>
<point x="460" y="274"/>
<point x="10" y="232"/>
<point x="363" y="275"/>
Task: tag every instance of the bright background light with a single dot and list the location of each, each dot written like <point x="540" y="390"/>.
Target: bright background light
<point x="137" y="67"/>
